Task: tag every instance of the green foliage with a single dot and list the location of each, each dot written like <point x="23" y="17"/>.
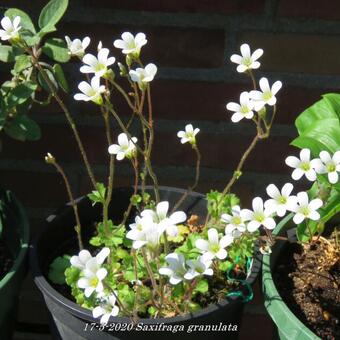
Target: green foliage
<point x="21" y="93"/>
<point x="218" y="205"/>
<point x="56" y="49"/>
<point x="98" y="196"/>
<point x="202" y="286"/>
<point x="57" y="269"/>
<point x="44" y="84"/>
<point x="60" y="78"/>
<point x="319" y="126"/>
<point x="23" y="128"/>
<point x="22" y="62"/>
<point x="108" y="235"/>
<point x="52" y="13"/>
<point x="6" y="54"/>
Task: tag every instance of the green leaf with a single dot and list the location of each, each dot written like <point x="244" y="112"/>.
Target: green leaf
<point x="47" y="29"/>
<point x="6" y="54"/>
<point x="98" y="196"/>
<point x="23" y="128"/>
<point x="22" y="62"/>
<point x="57" y="269"/>
<point x="72" y="275"/>
<point x="202" y="286"/>
<point x="21" y="93"/>
<point x="25" y="20"/>
<point x="60" y="77"/>
<point x="44" y="84"/>
<point x="56" y="49"/>
<point x="52" y="12"/>
<point x="321" y="135"/>
<point x="30" y="38"/>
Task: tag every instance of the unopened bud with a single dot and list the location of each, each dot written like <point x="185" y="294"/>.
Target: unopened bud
<point x="49" y="159"/>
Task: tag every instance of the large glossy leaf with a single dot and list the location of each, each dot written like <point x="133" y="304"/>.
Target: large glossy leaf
<point x="326" y="108"/>
<point x="52" y="13"/>
<point x="321" y="135"/>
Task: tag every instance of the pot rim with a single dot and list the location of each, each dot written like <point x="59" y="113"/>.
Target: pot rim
<point x="86" y="314"/>
<point x="24" y="245"/>
<point x="274" y="303"/>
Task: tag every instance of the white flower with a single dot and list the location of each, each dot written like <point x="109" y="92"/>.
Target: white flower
<point x="160" y="217"/>
<point x="328" y="165"/>
<point x="176" y="268"/>
<point x="142" y="76"/>
<point x="91" y="92"/>
<point x="84" y="256"/>
<point x="247" y="60"/>
<point x="235" y="223"/>
<point x="124" y="148"/>
<point x="258" y="216"/>
<point x="304" y="209"/>
<point x="130" y="44"/>
<point x="242" y="110"/>
<point x="266" y="95"/>
<point x="189" y="135"/>
<point x="145" y="232"/>
<point x="280" y="202"/>
<point x="77" y="47"/>
<point x="214" y="247"/>
<point x="302" y="166"/>
<point x="198" y="267"/>
<point x="93" y="275"/>
<point x="10" y="29"/>
<point x="97" y="65"/>
<point x="106" y="309"/>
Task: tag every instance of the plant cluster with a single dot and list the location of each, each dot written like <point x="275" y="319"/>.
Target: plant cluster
<point x="165" y="263"/>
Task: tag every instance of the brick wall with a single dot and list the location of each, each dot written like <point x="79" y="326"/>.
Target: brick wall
<point x="191" y="42"/>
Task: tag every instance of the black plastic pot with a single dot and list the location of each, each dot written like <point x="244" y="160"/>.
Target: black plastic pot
<point x="73" y="322"/>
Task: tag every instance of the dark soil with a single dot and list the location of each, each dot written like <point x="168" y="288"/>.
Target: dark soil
<point x="6" y="259"/>
<point x="308" y="279"/>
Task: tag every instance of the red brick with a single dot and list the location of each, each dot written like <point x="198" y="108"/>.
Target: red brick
<point x="297" y="53"/>
<point x="191" y="6"/>
<point x="224" y="152"/>
<point x="329" y="10"/>
<point x="167" y="46"/>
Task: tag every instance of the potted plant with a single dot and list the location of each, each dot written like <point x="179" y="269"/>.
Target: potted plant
<point x="301" y="277"/>
<point x="145" y="260"/>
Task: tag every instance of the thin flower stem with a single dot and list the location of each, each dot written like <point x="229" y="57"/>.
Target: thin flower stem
<point x="197" y="176"/>
<point x="134" y="162"/>
<point x="124" y="94"/>
<point x="73" y="202"/>
<point x="252" y="79"/>
<point x="68" y="117"/>
<point x="111" y="172"/>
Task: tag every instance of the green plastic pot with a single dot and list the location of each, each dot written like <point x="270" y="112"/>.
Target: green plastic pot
<point x="288" y="325"/>
<point x="16" y="236"/>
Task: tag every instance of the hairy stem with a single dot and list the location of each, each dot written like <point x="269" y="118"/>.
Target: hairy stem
<point x="68" y="117"/>
<point x="73" y="203"/>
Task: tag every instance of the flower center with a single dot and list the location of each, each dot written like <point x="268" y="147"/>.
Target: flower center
<point x="282" y="200"/>
<point x="259" y="217"/>
<point x="236" y="220"/>
<point x="267" y="95"/>
<point x="100" y="67"/>
<point x="331" y="167"/>
<point x="305" y="166"/>
<point x="244" y="109"/>
<point x="214" y="248"/>
<point x="94" y="282"/>
<point x="305" y="211"/>
<point x="247" y="61"/>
